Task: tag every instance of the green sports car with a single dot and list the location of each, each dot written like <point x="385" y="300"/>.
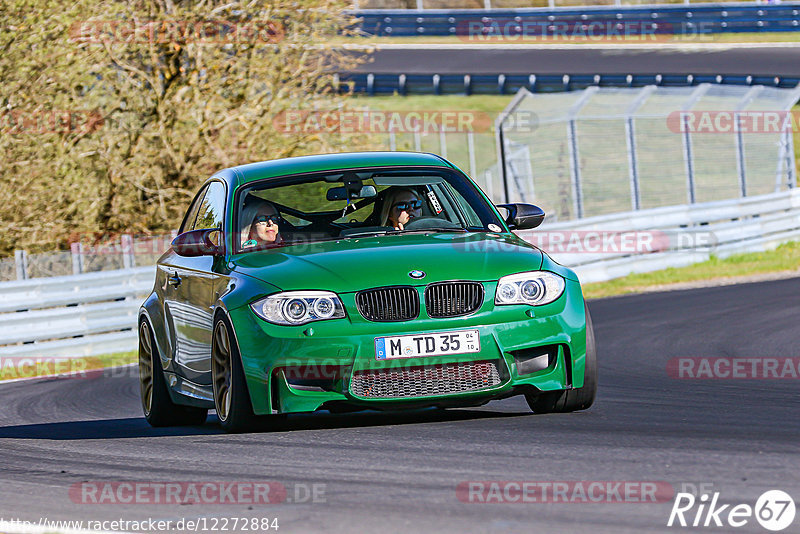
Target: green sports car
<point x="377" y="280"/>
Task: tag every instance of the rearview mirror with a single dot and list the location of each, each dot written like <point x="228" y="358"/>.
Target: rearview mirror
<point x="523" y="216"/>
<point x="197" y="243"/>
<point x="340" y="193"/>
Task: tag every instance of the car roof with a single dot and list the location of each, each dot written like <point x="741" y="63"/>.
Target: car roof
<point x="332" y="162"/>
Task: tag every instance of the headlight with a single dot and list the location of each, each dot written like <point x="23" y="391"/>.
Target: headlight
<point x="534" y="288"/>
<point x="299" y="307"/>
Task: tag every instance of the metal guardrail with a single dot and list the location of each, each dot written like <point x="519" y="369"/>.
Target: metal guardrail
<point x="665" y="19"/>
<point x="95" y="313"/>
<point x="77" y="315"/>
<point x="674" y="236"/>
<point x="468" y="84"/>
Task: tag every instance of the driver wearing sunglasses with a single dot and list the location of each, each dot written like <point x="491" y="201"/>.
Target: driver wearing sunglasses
<point x="403" y="205"/>
<point x="264" y="229"/>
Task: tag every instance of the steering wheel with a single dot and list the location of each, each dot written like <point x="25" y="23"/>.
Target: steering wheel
<point x="421" y="223"/>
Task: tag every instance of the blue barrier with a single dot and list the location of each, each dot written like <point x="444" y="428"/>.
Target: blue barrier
<point x="387" y="84"/>
<point x="510" y="24"/>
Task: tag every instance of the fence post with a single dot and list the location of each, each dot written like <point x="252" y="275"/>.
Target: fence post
<point x="77" y="257"/>
<point x="443" y="143"/>
<point x="501" y="151"/>
<point x="791" y="170"/>
<point x="575" y="168"/>
<point x="630" y="141"/>
<point x="473" y="165"/>
<point x="128" y="259"/>
<point x="487" y="4"/>
<point x="737" y="117"/>
<point x="688" y="157"/>
<point x="371" y="84"/>
<point x="392" y="141"/>
<point x="633" y="167"/>
<point x="21" y="264"/>
<point x="417" y="141"/>
<point x="740" y="165"/>
<point x="574" y="157"/>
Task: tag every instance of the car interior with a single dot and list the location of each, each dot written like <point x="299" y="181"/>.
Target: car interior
<point x="351" y="204"/>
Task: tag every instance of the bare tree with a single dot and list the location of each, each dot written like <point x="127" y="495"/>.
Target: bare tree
<point x="114" y="111"/>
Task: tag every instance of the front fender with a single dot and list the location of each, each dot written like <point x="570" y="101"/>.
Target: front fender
<point x="549" y="264"/>
<point x="242" y="290"/>
<point x="239" y="293"/>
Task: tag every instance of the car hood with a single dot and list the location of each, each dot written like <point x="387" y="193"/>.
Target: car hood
<point x="349" y="265"/>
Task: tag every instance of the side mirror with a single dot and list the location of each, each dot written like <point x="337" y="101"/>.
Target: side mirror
<point x="197" y="243"/>
<point x="340" y="193"/>
<point x="523" y="216"/>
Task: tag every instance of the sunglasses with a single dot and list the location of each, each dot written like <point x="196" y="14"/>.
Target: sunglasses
<point x="408" y="205"/>
<point x="266" y="219"/>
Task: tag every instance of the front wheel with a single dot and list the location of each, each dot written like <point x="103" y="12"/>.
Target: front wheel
<point x="571" y="400"/>
<point x="158" y="408"/>
<point x="231" y="398"/>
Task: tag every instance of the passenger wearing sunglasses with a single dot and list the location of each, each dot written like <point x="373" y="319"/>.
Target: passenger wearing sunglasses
<point x="263" y="228"/>
<point x="400" y="206"/>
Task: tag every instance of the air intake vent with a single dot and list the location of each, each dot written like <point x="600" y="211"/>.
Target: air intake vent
<point x="388" y="304"/>
<point x="426" y="381"/>
<point x="451" y="299"/>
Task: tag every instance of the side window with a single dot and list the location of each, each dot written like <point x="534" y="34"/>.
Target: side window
<point x="188" y="223"/>
<point x="212" y="208"/>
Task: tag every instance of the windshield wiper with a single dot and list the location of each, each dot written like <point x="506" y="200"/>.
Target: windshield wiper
<point x="368" y="233"/>
<point x="371" y="233"/>
<point x="424" y="230"/>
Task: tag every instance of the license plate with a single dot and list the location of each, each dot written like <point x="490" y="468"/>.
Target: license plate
<point x="434" y="344"/>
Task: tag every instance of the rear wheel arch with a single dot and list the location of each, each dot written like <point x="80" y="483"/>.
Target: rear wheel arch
<point x="157" y="403"/>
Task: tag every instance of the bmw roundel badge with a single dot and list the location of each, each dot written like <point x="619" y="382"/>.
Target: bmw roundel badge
<point x="417" y="274"/>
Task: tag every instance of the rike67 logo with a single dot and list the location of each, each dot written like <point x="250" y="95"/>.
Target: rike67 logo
<point x="774" y="510"/>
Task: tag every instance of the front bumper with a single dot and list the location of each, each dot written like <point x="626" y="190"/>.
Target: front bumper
<point x="281" y="361"/>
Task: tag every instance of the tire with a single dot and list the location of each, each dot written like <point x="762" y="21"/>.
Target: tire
<point x="158" y="408"/>
<point x="571" y="400"/>
<point x="231" y="398"/>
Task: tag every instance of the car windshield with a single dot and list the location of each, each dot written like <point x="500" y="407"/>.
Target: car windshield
<point x="350" y="204"/>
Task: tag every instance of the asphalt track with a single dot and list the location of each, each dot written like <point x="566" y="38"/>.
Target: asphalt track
<point x="698" y="59"/>
<point x="398" y="472"/>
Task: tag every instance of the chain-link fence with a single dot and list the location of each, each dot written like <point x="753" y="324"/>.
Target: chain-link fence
<point x="608" y="150"/>
<point x="576" y="154"/>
